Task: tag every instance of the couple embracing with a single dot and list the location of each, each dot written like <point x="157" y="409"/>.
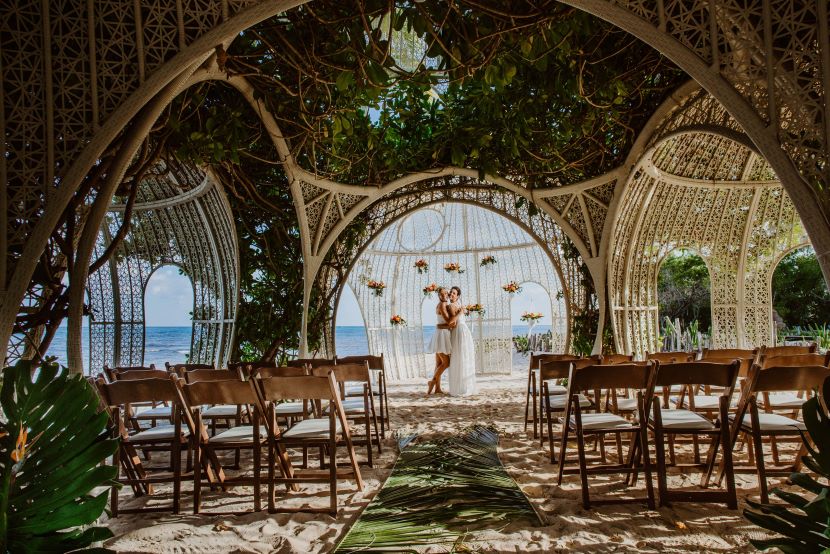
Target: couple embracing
<point x="453" y="346"/>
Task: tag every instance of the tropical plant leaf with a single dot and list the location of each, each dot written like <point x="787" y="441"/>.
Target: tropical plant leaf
<point x="51" y="460"/>
<point x="436" y="493"/>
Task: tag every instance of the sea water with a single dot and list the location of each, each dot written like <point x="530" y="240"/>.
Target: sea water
<point x="172" y="344"/>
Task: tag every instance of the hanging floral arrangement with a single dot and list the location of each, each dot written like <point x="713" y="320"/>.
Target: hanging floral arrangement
<point x="475" y="309"/>
<point x="376" y="287"/>
<point x="512" y="287"/>
<point x="453" y="267"/>
<point x="397" y="321"/>
<point x="531" y="317"/>
<point x="421" y="266"/>
<point x="430" y="288"/>
<point x="487" y="261"/>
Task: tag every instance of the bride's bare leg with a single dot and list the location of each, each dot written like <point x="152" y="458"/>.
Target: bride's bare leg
<point x="431" y="382"/>
<point x="442" y="367"/>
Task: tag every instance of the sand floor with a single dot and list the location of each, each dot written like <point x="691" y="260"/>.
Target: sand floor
<point x="567" y="526"/>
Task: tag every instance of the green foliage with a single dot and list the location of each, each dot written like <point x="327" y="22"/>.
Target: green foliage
<point x="804" y="522"/>
<point x="683" y="289"/>
<point x="53" y="442"/>
<point x="437" y="491"/>
<point x="799" y="292"/>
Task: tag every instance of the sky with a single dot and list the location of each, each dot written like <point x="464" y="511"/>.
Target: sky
<point x="533" y="298"/>
<point x="168" y="299"/>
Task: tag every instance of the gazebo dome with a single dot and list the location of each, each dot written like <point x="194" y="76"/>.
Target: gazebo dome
<point x="462" y="234"/>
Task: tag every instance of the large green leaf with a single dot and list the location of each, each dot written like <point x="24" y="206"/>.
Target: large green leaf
<point x="46" y="490"/>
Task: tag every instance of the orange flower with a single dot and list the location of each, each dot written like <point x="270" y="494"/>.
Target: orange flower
<point x="20" y="445"/>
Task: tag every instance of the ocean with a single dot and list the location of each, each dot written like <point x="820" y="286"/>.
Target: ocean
<point x="172" y="344"/>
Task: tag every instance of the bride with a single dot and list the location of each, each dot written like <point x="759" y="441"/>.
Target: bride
<point x="462" y="368"/>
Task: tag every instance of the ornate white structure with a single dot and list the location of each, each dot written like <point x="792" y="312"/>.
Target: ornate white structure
<point x="730" y="171"/>
<point x="446" y="233"/>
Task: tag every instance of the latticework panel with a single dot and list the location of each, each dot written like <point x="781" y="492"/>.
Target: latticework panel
<point x="441" y="234"/>
<point x="195" y="233"/>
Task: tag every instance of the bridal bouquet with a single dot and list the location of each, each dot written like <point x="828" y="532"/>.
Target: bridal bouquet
<point x="377" y="287"/>
<point x="453" y="267"/>
<point x="474" y="309"/>
<point x="421" y="266"/>
<point x="487" y="260"/>
<point x="531" y="316"/>
<point x="430" y="288"/>
<point x="512" y="287"/>
<point x="397" y="321"/>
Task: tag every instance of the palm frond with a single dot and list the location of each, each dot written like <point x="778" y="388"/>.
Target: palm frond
<point x="437" y="492"/>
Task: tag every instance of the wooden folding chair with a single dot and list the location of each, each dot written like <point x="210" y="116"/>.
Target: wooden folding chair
<point x="377" y="367"/>
<point x="109" y="372"/>
<point x="244" y="367"/>
<point x="361" y="409"/>
<point x="598" y="378"/>
<point x="180" y="369"/>
<point x="748" y="419"/>
<point x="768" y="351"/>
<point x="665" y="421"/>
<point x="169" y="438"/>
<point x="553" y="402"/>
<point x="532" y="394"/>
<point x="144" y="411"/>
<point x="312" y="362"/>
<point x="670" y="358"/>
<point x="613" y="359"/>
<point x="289" y="411"/>
<point x="230" y="415"/>
<point x="195" y="397"/>
<point x="328" y="433"/>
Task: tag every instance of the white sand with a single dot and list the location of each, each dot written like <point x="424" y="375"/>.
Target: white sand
<point x="500" y="402"/>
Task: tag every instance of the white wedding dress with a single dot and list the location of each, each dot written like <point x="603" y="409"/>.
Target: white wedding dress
<point x="462" y="368"/>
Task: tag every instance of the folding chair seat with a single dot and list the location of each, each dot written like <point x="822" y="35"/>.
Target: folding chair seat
<point x="749" y="420"/>
<point x="667" y="423"/>
<point x="242" y="396"/>
<point x="377" y="367"/>
<point x="118" y="396"/>
<point x="576" y="422"/>
<point x="361" y="409"/>
<point x="327" y="433"/>
<point x="533" y="390"/>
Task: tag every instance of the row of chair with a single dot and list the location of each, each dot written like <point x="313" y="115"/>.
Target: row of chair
<point x="252" y="400"/>
<point x="667" y="392"/>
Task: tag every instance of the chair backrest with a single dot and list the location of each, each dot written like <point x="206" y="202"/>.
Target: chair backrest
<point x="555" y="369"/>
<point x="229" y="391"/>
<point x="618" y="376"/>
<point x="670" y="357"/>
<point x="789" y="350"/>
<point x="536" y="357"/>
<point x="312" y="362"/>
<point x="240" y="367"/>
<point x="611" y="359"/>
<point x="279" y="371"/>
<point x="794" y="360"/>
<point x="375" y="362"/>
<point x="698" y="373"/>
<point x="110" y="371"/>
<point x="345" y="372"/>
<point x="307" y="387"/>
<point x="729" y="354"/>
<point x="139" y="390"/>
<point x="200" y="375"/>
<point x="180" y="369"/>
<point x="786" y="378"/>
<point x="134" y="374"/>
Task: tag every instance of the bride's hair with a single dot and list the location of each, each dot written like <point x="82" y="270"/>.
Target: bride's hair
<point x="458" y="290"/>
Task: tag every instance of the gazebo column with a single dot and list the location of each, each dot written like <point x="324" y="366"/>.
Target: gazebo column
<point x="598" y="269"/>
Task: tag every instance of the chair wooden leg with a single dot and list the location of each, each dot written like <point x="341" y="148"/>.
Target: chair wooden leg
<point x="197" y="479"/>
<point x="116" y="462"/>
<point x="732" y="497"/>
<point x="177" y="472"/>
<point x="527" y="399"/>
<point x="759" y="452"/>
<point x="550" y="434"/>
<point x="583" y="465"/>
<point x="618" y="440"/>
<point x="369" y="445"/>
<point x="271" y="464"/>
<point x="660" y="453"/>
<point x="534" y="392"/>
<point x="643" y="436"/>
<point x="563" y="449"/>
<point x="333" y="475"/>
<point x="257" y="474"/>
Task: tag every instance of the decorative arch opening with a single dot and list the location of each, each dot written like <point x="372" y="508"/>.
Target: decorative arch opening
<point x="800" y="298"/>
<point x="452" y="243"/>
<point x="684" y="301"/>
<point x="169" y="303"/>
<point x="350" y="329"/>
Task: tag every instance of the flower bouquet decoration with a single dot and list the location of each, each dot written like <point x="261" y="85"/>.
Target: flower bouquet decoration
<point x="377" y="287"/>
<point x="512" y="287"/>
<point x="475" y="309"/>
<point x="487" y="261"/>
<point x="531" y="317"/>
<point x="397" y="321"/>
<point x="421" y="266"/>
<point x="430" y="288"/>
<point x="453" y="267"/>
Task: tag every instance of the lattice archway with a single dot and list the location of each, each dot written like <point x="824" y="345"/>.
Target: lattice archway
<point x="182" y="218"/>
<point x="451" y="232"/>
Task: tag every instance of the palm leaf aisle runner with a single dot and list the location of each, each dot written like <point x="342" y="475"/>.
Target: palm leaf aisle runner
<point x="436" y="493"/>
